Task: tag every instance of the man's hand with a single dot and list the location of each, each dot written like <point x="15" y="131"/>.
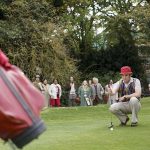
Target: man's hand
<point x="124" y="98"/>
<point x="121" y="99"/>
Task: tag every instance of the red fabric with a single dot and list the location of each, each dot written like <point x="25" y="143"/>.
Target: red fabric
<point x="13" y="118"/>
<point x="4" y="60"/>
<point x="125" y="70"/>
<point x="55" y="102"/>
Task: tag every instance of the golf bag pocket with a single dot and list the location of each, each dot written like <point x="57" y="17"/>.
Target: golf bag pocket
<point x="20" y="105"/>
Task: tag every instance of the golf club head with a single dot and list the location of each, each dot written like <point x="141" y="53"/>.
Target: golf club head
<point x="111" y="125"/>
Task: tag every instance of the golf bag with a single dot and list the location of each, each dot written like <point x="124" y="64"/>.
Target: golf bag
<point x="20" y="105"/>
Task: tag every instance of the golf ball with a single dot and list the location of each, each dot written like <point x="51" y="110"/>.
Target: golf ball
<point x="111" y="129"/>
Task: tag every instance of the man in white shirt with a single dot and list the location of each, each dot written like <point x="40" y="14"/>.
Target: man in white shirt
<point x="129" y="93"/>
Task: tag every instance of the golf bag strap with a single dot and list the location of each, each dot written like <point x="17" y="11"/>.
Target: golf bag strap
<point x="18" y="97"/>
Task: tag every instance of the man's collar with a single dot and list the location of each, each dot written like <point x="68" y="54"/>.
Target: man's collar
<point x="131" y="80"/>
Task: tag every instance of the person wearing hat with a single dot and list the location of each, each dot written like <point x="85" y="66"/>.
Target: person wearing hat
<point x="129" y="93"/>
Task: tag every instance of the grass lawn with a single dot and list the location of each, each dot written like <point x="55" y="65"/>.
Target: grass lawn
<point x="86" y="128"/>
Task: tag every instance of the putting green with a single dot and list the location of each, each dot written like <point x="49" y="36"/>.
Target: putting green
<point x="86" y="128"/>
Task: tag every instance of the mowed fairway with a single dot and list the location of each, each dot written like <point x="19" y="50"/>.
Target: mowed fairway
<point x="86" y="128"/>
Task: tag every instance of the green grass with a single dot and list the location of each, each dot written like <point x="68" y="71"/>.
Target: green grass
<point x="86" y="128"/>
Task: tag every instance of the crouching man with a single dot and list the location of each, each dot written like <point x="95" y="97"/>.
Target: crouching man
<point x="129" y="93"/>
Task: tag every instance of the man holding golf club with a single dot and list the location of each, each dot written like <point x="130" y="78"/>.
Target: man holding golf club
<point x="129" y="93"/>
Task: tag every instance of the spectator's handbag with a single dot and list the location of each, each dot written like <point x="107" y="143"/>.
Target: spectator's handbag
<point x="88" y="101"/>
<point x="77" y="100"/>
<point x="20" y="105"/>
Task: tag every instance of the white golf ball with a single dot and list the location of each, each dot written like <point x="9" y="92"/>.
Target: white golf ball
<point x="111" y="129"/>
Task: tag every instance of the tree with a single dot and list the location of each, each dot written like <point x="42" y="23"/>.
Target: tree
<point x="112" y="48"/>
<point x="31" y="39"/>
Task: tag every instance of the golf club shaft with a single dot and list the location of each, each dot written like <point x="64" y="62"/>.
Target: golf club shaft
<point x="111" y="123"/>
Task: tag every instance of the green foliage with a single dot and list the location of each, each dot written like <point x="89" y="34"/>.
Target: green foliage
<point x="31" y="39"/>
<point x="37" y="34"/>
<point x="115" y="46"/>
<point x="58" y="3"/>
<point x="141" y="15"/>
<point x="104" y="78"/>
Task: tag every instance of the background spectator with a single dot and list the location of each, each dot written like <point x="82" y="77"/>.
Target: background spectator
<point x="97" y="91"/>
<point x="46" y="93"/>
<point x="84" y="93"/>
<point x="111" y="98"/>
<point x="55" y="93"/>
<point x="72" y="92"/>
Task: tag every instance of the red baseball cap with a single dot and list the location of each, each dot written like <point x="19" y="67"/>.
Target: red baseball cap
<point x="125" y="70"/>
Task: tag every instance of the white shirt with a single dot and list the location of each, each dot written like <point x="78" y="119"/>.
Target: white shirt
<point x="53" y="90"/>
<point x="72" y="91"/>
<point x="112" y="98"/>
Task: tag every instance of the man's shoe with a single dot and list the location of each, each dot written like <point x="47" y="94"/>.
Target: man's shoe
<point x="124" y="123"/>
<point x="134" y="124"/>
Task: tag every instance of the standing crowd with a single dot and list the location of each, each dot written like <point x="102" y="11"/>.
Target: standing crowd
<point x="52" y="92"/>
<point x="89" y="93"/>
